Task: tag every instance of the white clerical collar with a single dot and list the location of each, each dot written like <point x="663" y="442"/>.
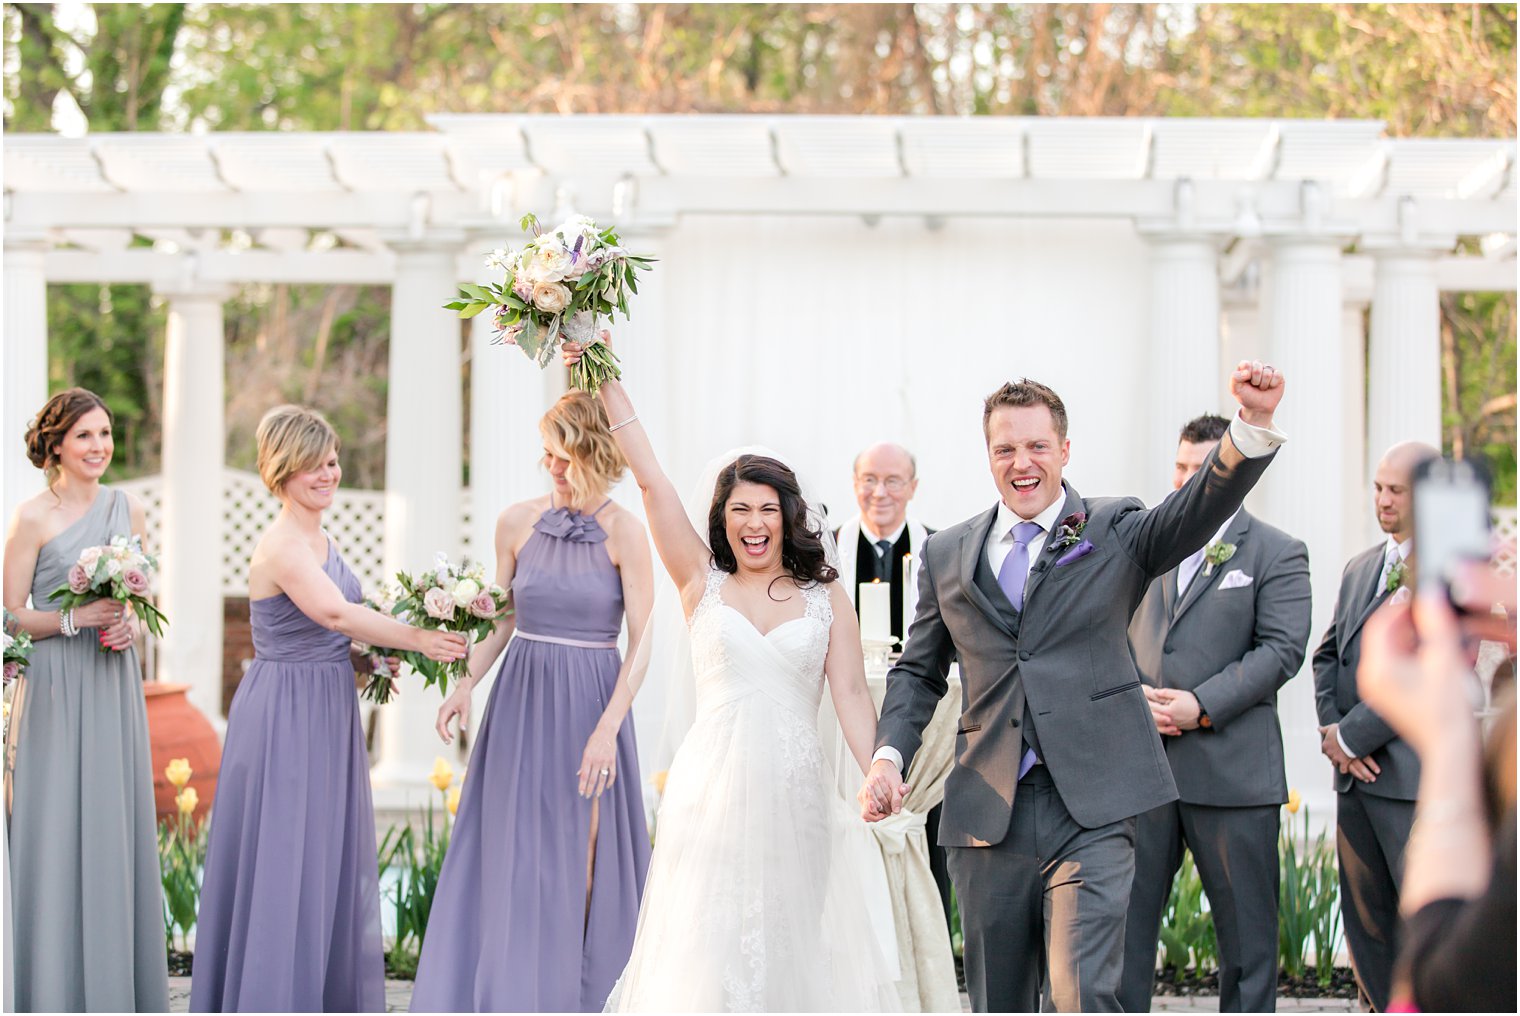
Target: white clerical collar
<point x="865" y="528"/>
<point x="1046" y="520"/>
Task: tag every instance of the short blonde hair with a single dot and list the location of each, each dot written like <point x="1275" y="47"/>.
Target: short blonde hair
<point x="576" y="428"/>
<point x="292" y="439"/>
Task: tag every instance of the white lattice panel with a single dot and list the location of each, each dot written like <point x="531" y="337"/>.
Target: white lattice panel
<point x="356" y="522"/>
<point x="1504" y="540"/>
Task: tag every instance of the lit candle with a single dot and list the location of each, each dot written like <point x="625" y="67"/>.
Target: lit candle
<point x="875" y="611"/>
<point x="907" y="595"/>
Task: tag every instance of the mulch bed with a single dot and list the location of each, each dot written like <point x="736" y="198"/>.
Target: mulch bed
<point x="1171" y="981"/>
<point x="179" y="963"/>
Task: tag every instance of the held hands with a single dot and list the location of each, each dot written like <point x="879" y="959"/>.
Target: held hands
<point x="1258" y="387"/>
<point x="1364" y="769"/>
<point x="456" y="705"/>
<point x="883" y="792"/>
<point x="598" y="769"/>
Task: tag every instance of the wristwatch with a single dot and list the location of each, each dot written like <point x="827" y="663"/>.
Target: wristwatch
<point x="1203" y="719"/>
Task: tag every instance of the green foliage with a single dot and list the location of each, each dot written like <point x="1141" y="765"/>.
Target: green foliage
<point x="182" y="863"/>
<point x="416" y="854"/>
<point x="1308" y="910"/>
<point x="1187" y="930"/>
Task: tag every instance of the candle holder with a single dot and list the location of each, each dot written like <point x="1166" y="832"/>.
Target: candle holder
<point x="877" y="652"/>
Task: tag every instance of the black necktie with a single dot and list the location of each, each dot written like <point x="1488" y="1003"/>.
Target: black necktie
<point x="884" y="560"/>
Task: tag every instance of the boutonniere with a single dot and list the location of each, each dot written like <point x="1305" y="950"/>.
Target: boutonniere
<point x="1396" y="576"/>
<point x="1069" y="531"/>
<point x="1216" y="553"/>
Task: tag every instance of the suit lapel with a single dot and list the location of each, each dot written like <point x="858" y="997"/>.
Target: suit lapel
<point x="1202" y="583"/>
<point x="1047" y="559"/>
<point x="974" y="544"/>
<point x="1366" y="582"/>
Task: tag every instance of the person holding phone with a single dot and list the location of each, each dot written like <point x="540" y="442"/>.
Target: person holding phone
<point x="1377" y="774"/>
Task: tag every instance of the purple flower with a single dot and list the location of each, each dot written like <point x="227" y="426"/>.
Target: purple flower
<point x="79" y="580"/>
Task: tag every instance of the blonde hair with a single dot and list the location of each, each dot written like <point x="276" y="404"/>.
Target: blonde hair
<point x="292" y="439"/>
<point x="575" y="428"/>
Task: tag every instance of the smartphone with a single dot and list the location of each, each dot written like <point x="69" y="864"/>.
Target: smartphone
<point x="1451" y="512"/>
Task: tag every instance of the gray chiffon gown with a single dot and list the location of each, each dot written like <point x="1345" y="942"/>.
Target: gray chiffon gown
<point x="85" y="888"/>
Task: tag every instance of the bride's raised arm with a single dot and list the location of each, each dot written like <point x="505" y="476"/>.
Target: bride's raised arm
<point x="681" y="549"/>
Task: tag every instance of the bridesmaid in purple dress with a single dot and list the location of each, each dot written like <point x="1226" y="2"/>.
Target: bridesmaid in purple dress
<point x="290" y="907"/>
<point x="539" y="895"/>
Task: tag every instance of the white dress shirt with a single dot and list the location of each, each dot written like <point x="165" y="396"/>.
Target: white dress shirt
<point x="873" y="540"/>
<point x="1189" y="568"/>
<point x="1251" y="441"/>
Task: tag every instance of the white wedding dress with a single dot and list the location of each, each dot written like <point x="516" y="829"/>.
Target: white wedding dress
<point x="749" y="905"/>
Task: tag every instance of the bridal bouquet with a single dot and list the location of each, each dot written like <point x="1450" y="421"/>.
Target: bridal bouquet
<point x="448" y="597"/>
<point x="120" y="570"/>
<point x="556" y="288"/>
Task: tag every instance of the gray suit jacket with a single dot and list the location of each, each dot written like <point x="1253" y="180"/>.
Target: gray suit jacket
<point x="1232" y="648"/>
<point x="1335" y="695"/>
<point x="1070" y="658"/>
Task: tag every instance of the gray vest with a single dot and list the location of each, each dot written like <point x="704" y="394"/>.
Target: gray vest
<point x="989" y="585"/>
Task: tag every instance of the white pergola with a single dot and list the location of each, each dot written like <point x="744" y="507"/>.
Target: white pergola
<point x="1213" y="237"/>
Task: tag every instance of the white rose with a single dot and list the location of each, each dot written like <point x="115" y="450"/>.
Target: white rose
<point x="89" y="559"/>
<point x="551" y="297"/>
<point x="548" y="264"/>
<point x="115" y="566"/>
<point x="465" y="591"/>
<point x="576" y="225"/>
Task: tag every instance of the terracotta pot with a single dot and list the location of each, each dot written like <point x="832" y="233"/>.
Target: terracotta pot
<point x="176" y="729"/>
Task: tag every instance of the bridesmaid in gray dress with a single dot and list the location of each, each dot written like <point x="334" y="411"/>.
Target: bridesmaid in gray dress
<point x="84" y="877"/>
<point x="290" y="904"/>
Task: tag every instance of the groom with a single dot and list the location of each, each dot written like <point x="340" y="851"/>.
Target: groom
<point x="1056" y="751"/>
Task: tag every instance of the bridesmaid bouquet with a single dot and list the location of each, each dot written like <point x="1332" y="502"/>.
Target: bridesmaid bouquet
<point x="448" y="597"/>
<point x="120" y="570"/>
<point x="378" y="688"/>
<point x="555" y="288"/>
<point x="18" y="648"/>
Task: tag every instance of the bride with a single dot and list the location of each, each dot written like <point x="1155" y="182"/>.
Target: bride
<point x="748" y="905"/>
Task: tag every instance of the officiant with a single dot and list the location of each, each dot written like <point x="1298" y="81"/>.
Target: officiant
<point x="880" y="544"/>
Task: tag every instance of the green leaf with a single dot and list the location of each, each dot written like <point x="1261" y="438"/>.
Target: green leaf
<point x="529" y="224"/>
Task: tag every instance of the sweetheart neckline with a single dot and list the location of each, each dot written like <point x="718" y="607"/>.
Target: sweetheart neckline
<point x="754" y="628"/>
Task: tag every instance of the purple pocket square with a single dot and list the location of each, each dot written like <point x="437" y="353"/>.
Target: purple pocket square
<point x="1076" y="553"/>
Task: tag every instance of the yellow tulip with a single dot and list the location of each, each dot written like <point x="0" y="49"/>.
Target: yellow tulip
<point x="442" y="774"/>
<point x="187" y="799"/>
<point x="178" y="771"/>
<point x="659" y="781"/>
<point x="453" y="801"/>
<point x="1295" y="800"/>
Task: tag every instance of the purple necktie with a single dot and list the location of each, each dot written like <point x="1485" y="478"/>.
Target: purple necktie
<point x="1015" y="570"/>
<point x="1011" y="578"/>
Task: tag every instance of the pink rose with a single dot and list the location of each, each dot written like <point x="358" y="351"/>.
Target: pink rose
<point x="12" y="671"/>
<point x="438" y="603"/>
<point x="136" y="581"/>
<point x="483" y="606"/>
<point x="79" y="579"/>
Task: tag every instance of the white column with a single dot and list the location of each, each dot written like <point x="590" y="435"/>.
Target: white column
<point x="423" y="473"/>
<point x="1302" y="486"/>
<point x="194" y="444"/>
<point x="1185" y="343"/>
<point x="1404" y="353"/>
<point x="25" y="359"/>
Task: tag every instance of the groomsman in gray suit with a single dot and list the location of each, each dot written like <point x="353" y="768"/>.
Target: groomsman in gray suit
<point x="1056" y="750"/>
<point x="1215" y="638"/>
<point x="1377" y="775"/>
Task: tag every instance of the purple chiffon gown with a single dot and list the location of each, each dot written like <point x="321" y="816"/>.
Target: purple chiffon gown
<point x="290" y="905"/>
<point x="511" y="929"/>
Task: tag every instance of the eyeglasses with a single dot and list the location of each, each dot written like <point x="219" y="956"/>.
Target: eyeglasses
<point x="894" y="484"/>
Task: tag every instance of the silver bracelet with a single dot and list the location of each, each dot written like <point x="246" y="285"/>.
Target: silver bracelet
<point x="623" y="423"/>
<point x="66" y="623"/>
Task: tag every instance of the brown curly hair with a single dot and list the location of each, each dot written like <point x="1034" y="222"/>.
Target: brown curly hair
<point x="48" y="429"/>
<point x="576" y="428"/>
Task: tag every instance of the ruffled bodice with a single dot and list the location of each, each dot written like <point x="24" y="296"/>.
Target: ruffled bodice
<point x="565" y="585"/>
